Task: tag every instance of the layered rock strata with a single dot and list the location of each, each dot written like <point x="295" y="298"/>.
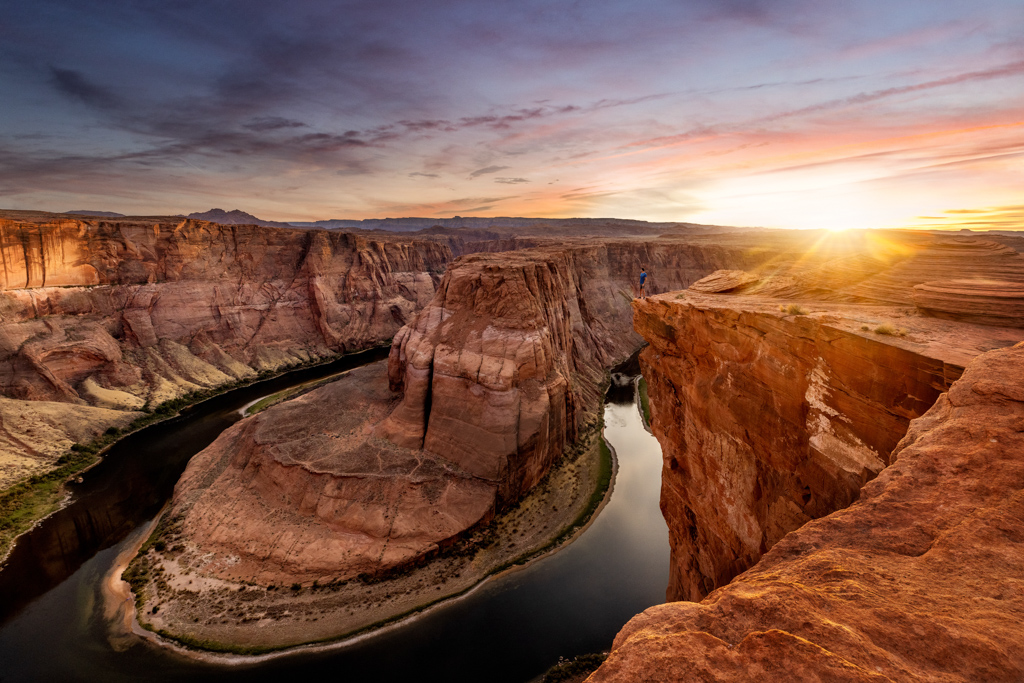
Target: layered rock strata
<point x="127" y="315"/>
<point x="918" y="580"/>
<point x="304" y="489"/>
<point x="486" y="387"/>
<point x="989" y="302"/>
<point x="771" y="418"/>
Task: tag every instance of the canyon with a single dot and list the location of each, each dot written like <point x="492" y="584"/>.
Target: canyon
<point x="822" y="475"/>
<point x="125" y="315"/>
<point x="919" y="579"/>
<point x="782" y="386"/>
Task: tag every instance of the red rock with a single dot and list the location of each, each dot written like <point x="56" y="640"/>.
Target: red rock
<point x="918" y="580"/>
<point x="276" y="500"/>
<point x="723" y="281"/>
<point x="991" y="302"/>
<point x="236" y="298"/>
<point x="491" y="381"/>
<point x="768" y="419"/>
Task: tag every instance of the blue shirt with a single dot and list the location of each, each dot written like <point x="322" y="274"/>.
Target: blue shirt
<point x="643" y="276"/>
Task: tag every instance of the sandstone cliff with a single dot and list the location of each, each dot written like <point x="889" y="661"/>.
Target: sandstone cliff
<point x="768" y="419"/>
<point x="485" y="388"/>
<point x="122" y="315"/>
<point x="918" y="580"/>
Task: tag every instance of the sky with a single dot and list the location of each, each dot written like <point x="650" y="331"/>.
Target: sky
<point x="774" y="113"/>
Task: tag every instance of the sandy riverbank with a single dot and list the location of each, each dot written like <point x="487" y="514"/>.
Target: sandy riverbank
<point x="218" y="616"/>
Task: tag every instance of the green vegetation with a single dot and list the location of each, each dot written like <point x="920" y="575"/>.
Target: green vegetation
<point x="289" y="393"/>
<point x="575" y="669"/>
<point x="32" y="499"/>
<point x="139" y="572"/>
<point x="890" y="330"/>
<point x="645" y="402"/>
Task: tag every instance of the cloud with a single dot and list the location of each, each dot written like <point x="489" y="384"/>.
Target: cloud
<point x="1009" y="217"/>
<point x="511" y="181"/>
<point x="423" y="175"/>
<point x="263" y="124"/>
<point x="1010" y="69"/>
<point x="75" y="85"/>
<point x="486" y="170"/>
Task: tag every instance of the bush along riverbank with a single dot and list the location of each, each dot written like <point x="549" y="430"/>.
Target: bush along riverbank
<point x="217" y="616"/>
<point x="27" y="502"/>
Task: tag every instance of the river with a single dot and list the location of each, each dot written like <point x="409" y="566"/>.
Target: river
<point x="510" y="629"/>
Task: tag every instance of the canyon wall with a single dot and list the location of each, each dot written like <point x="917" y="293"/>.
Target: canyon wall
<point x="484" y="389"/>
<point x="919" y="579"/>
<point x="123" y="316"/>
<point x="768" y="419"/>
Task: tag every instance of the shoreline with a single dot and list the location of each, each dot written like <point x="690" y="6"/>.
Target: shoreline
<point x="395" y="601"/>
<point x="62" y="496"/>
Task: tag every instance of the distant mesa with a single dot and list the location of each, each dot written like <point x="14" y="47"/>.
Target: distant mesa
<point x="235" y="217"/>
<point x="104" y="214"/>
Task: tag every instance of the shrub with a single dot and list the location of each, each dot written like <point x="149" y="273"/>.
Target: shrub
<point x="796" y="309"/>
<point x="887" y="329"/>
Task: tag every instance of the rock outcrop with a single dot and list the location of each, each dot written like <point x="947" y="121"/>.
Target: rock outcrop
<point x="989" y="302"/>
<point x="123" y="315"/>
<point x="918" y="580"/>
<point x="303" y="491"/>
<point x="484" y="389"/>
<point x="768" y="419"/>
<point x="723" y="281"/>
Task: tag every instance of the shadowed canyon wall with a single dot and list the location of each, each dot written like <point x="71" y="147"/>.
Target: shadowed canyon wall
<point x="769" y="419"/>
<point x="918" y="580"/>
<point x="120" y="316"/>
<point x="484" y="389"/>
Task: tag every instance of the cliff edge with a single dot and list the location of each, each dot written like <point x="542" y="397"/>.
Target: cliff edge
<point x="918" y="580"/>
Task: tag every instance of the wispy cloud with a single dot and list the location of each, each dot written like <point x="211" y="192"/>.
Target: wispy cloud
<point x="989" y="218"/>
<point x="487" y="170"/>
<point x="76" y="86"/>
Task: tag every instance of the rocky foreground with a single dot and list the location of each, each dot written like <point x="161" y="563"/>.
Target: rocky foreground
<point x="836" y="544"/>
<point x="919" y="579"/>
<point x="770" y="418"/>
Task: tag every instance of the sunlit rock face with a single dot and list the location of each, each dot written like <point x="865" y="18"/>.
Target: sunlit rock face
<point x="980" y="300"/>
<point x="484" y="389"/>
<point x="769" y="419"/>
<point x="919" y="579"/>
<point x="171" y="308"/>
<point x="125" y="315"/>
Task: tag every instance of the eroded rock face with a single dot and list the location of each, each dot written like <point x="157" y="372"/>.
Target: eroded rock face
<point x="918" y="580"/>
<point x="195" y="304"/>
<point x="485" y="388"/>
<point x="986" y="301"/>
<point x="304" y="491"/>
<point x="769" y="419"/>
<point x="124" y="315"/>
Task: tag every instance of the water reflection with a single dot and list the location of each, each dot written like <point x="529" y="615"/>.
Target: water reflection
<point x="511" y="629"/>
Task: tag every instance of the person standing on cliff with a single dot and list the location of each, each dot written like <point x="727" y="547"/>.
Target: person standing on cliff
<point x="643" y="280"/>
